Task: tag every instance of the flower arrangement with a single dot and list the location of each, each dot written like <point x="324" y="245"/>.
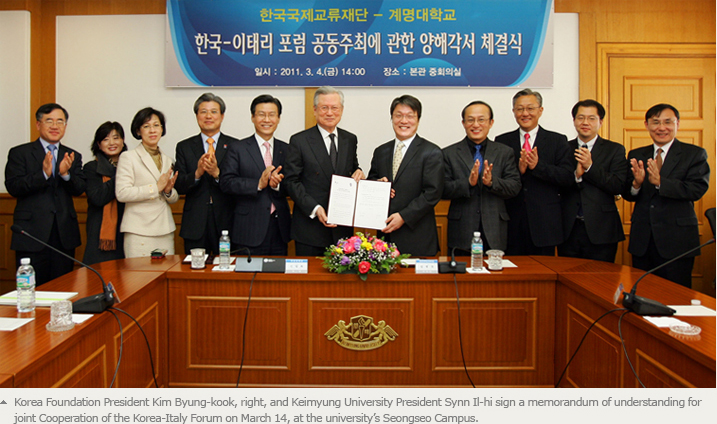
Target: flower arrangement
<point x="362" y="255"/>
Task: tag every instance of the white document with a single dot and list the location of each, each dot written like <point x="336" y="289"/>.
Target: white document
<point x="11" y="324"/>
<point x="42" y="298"/>
<point x="362" y="205"/>
<point x="693" y="311"/>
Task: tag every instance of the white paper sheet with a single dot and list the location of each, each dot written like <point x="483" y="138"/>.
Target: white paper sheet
<point x="42" y="298"/>
<point x="372" y="201"/>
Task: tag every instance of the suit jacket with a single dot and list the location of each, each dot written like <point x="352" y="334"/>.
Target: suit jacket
<point x="597" y="191"/>
<point x="40" y="201"/>
<point x="100" y="193"/>
<point x="198" y="192"/>
<point x="419" y="185"/>
<point x="668" y="214"/>
<point x="308" y="181"/>
<point x="473" y="206"/>
<point x="147" y="211"/>
<point x="239" y="177"/>
<point x="539" y="198"/>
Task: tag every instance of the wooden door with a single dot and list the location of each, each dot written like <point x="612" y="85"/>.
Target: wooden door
<point x="634" y="77"/>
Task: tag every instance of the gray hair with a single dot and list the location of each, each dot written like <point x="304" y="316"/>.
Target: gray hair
<point x="528" y="92"/>
<point x="327" y="89"/>
<point x="210" y="97"/>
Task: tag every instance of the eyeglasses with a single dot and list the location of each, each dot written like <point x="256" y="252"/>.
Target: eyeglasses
<point x="592" y="118"/>
<point x="480" y="121"/>
<point x="656" y="122"/>
<point x="207" y="112"/>
<point x="529" y="109"/>
<point x="264" y="115"/>
<point x="147" y="127"/>
<point x="333" y="109"/>
<point x="53" y="122"/>
<point x="408" y="117"/>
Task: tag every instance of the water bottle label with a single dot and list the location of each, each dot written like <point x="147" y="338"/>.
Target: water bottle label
<point x="25" y="281"/>
<point x="476" y="248"/>
<point x="224" y="247"/>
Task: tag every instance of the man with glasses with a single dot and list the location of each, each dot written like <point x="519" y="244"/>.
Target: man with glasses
<point x="314" y="155"/>
<point x="44" y="175"/>
<point x="544" y="162"/>
<point x="480" y="175"/>
<point x="591" y="222"/>
<point x="664" y="181"/>
<point x="207" y="210"/>
<point x="414" y="166"/>
<point x="252" y="172"/>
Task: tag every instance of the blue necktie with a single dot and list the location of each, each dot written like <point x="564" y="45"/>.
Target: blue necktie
<point x="52" y="149"/>
<point x="479" y="157"/>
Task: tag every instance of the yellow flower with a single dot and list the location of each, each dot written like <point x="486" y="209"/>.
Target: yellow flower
<point x="366" y="245"/>
<point x="338" y="250"/>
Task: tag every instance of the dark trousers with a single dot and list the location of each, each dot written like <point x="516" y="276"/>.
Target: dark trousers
<point x="520" y="243"/>
<point x="308" y="250"/>
<point x="679" y="271"/>
<point x="48" y="264"/>
<point x="578" y="245"/>
<point x="209" y="240"/>
<point x="273" y="244"/>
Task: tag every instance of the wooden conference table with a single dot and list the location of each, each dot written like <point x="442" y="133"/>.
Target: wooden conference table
<point x="519" y="327"/>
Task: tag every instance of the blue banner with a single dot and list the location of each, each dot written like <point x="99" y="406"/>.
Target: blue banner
<point x="494" y="43"/>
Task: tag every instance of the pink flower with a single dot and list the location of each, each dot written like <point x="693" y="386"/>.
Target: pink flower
<point x="379" y="245"/>
<point x="395" y="253"/>
<point x="364" y="267"/>
<point x="349" y="248"/>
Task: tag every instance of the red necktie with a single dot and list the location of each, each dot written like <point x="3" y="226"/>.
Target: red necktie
<point x="267" y="163"/>
<point x="526" y="145"/>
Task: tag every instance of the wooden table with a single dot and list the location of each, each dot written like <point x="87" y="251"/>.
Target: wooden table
<point x="518" y="328"/>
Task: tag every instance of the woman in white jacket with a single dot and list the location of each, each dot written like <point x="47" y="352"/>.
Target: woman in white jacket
<point x="145" y="183"/>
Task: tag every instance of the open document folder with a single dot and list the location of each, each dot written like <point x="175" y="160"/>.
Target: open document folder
<point x="363" y="204"/>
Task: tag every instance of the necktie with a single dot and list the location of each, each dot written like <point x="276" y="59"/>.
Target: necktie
<point x="478" y="157"/>
<point x="581" y="213"/>
<point x="52" y="149"/>
<point x="267" y="163"/>
<point x="397" y="157"/>
<point x="333" y="153"/>
<point x="526" y="145"/>
<point x="658" y="159"/>
<point x="210" y="149"/>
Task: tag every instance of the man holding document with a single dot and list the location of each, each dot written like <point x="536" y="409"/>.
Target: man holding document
<point x="414" y="166"/>
<point x="314" y="155"/>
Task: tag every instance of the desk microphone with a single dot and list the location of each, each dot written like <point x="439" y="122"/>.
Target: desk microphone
<point x="452" y="267"/>
<point x="94" y="304"/>
<point x="644" y="306"/>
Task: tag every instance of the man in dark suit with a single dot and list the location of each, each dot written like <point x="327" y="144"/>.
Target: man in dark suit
<point x="480" y="175"/>
<point x="251" y="172"/>
<point x="544" y="163"/>
<point x="314" y="155"/>
<point x="207" y="210"/>
<point x="44" y="175"/>
<point x="666" y="179"/>
<point x="414" y="166"/>
<point x="591" y="221"/>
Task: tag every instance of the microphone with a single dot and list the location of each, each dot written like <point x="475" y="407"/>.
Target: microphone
<point x="452" y="267"/>
<point x="643" y="306"/>
<point x="94" y="304"/>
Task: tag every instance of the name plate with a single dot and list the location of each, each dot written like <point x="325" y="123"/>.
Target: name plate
<point x="297" y="266"/>
<point x="427" y="266"/>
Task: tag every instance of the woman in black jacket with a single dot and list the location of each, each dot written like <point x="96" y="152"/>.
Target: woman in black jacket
<point x="104" y="213"/>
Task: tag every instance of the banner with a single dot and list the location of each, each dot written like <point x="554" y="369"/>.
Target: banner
<point x="491" y="43"/>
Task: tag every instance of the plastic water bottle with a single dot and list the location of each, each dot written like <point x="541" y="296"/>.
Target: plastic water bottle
<point x="25" y="279"/>
<point x="224" y="249"/>
<point x="477" y="252"/>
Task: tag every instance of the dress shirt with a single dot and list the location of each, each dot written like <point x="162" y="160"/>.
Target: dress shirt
<point x="57" y="164"/>
<point x="533" y="133"/>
